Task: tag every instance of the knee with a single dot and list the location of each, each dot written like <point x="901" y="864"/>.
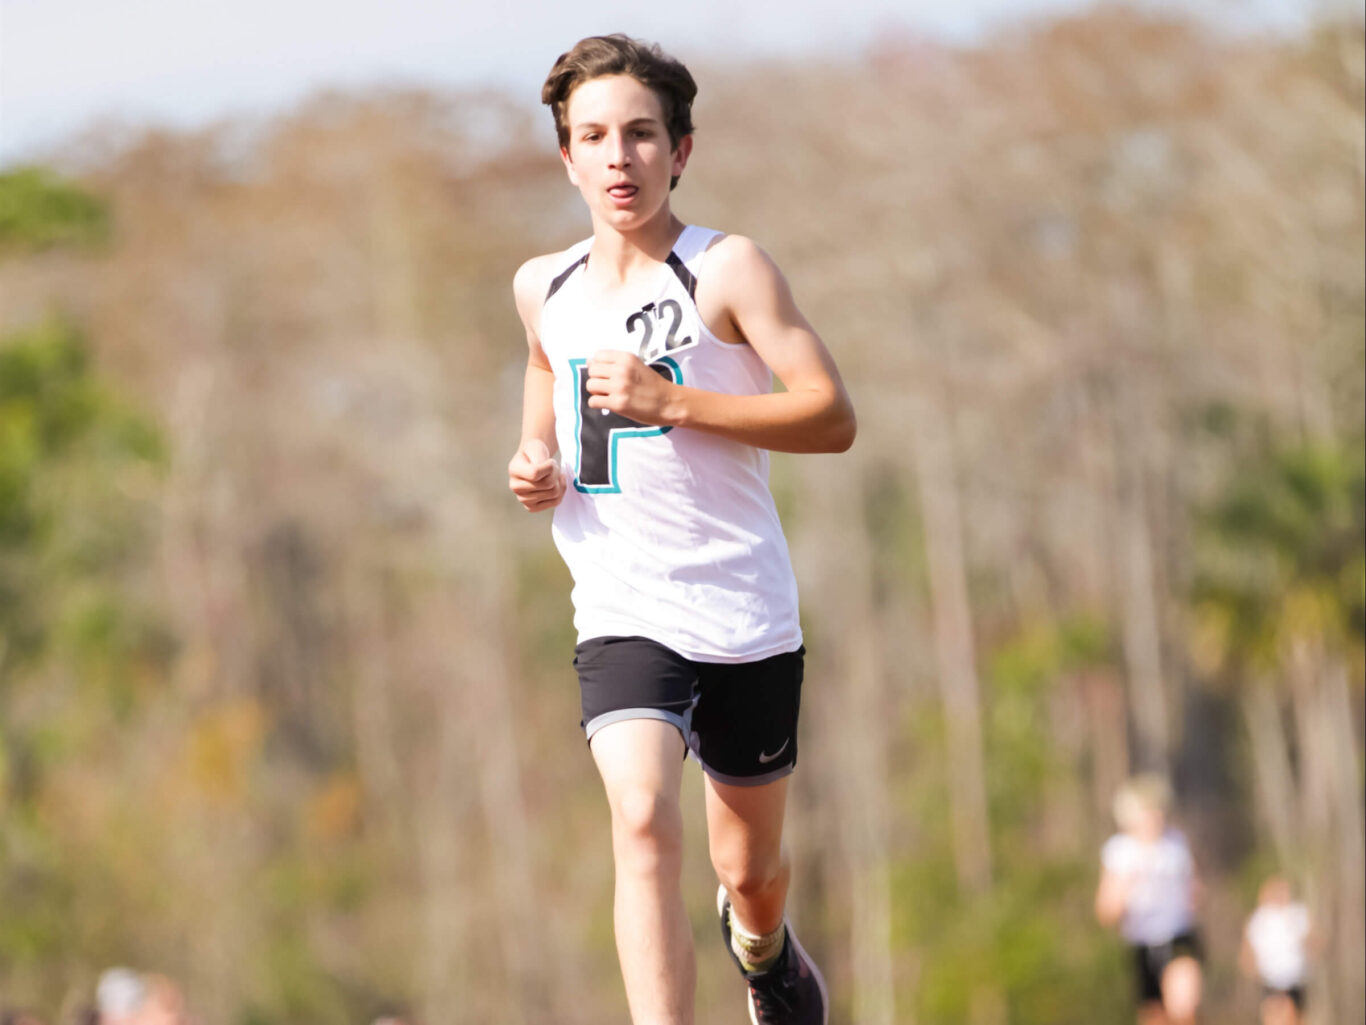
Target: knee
<point x="749" y="874"/>
<point x="1278" y="1010"/>
<point x="1181" y="990"/>
<point x="647" y="826"/>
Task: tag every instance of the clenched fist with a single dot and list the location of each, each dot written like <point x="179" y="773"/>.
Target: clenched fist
<point x="620" y="382"/>
<point x="535" y="477"/>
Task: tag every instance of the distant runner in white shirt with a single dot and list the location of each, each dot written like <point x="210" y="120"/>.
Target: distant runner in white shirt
<point x="1148" y="889"/>
<point x="1276" y="947"/>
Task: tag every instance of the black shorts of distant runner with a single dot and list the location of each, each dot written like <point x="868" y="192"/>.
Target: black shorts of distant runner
<point x="1295" y="993"/>
<point x="1151" y="961"/>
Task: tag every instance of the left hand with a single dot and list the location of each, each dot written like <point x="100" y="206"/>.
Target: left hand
<point x="621" y="382"/>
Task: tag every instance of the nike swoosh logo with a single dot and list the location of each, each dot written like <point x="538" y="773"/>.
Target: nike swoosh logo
<point x="764" y="759"/>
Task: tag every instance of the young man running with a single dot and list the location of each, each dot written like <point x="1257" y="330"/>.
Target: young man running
<point x="647" y="419"/>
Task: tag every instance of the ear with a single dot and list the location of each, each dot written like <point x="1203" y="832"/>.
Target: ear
<point x="681" y="154"/>
<point x="569" y="166"/>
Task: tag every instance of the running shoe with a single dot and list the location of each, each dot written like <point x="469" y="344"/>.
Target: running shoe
<point x="792" y="992"/>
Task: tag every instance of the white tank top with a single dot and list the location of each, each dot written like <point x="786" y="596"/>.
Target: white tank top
<point x="669" y="533"/>
<point x="1159" y="908"/>
<point x="1278" y="934"/>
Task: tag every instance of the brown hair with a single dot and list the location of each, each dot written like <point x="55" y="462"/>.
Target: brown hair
<point x="617" y="54"/>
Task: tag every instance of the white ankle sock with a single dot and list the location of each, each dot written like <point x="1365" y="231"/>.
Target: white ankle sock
<point x="756" y="953"/>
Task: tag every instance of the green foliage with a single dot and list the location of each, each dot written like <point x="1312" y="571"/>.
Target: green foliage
<point x="1283" y="554"/>
<point x="75" y="466"/>
<point x="298" y="988"/>
<point x="38" y="210"/>
<point x="1024" y="673"/>
<point x="1049" y="969"/>
<point x="71" y="454"/>
<point x="542" y="594"/>
<point x="1053" y="969"/>
<point x="895" y="531"/>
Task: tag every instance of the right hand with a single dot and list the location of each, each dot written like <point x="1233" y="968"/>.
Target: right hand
<point x="535" y="478"/>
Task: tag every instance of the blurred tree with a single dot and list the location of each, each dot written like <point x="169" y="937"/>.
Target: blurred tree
<point x="1283" y="555"/>
<point x="78" y="468"/>
<point x="1281" y="600"/>
<point x="38" y="210"/>
<point x="66" y="448"/>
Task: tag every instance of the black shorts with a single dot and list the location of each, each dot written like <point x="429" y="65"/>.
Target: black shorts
<point x="1295" y="993"/>
<point x="739" y="720"/>
<point x="1151" y="961"/>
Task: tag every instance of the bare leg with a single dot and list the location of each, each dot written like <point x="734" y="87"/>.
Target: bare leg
<point x="1278" y="1009"/>
<point x="745" y="835"/>
<point x="1182" y="983"/>
<point x="641" y="764"/>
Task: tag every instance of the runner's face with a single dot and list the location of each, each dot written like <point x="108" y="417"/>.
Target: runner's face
<point x="619" y="152"/>
<point x="1150" y="823"/>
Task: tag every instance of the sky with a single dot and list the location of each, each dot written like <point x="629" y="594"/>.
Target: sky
<point x="67" y="64"/>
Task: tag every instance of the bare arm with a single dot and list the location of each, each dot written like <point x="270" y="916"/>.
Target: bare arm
<point x="1247" y="960"/>
<point x="534" y="476"/>
<point x="1112" y="896"/>
<point x="743" y="295"/>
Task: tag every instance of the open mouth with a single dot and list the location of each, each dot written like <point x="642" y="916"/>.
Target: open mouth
<point x="622" y="191"/>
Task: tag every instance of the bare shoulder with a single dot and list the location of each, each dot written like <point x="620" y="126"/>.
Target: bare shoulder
<point x="530" y="285"/>
<point x="532" y="279"/>
<point x="740" y="280"/>
<point x="738" y="254"/>
<point x="741" y="274"/>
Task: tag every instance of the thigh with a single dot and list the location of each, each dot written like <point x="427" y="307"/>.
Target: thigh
<point x="1295" y="994"/>
<point x="628" y="678"/>
<point x="641" y="765"/>
<point x="744" y="728"/>
<point x="1182" y="985"/>
<point x="644" y="752"/>
<point x="745" y="823"/>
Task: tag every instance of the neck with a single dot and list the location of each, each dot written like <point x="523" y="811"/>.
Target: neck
<point x="618" y="254"/>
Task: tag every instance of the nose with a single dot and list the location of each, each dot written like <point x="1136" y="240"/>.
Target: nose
<point x="618" y="154"/>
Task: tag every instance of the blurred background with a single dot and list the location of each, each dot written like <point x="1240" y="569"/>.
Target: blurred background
<point x="286" y="708"/>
